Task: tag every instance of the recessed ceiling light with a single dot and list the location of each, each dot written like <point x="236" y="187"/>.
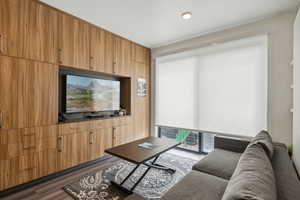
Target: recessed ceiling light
<point x="186" y="15"/>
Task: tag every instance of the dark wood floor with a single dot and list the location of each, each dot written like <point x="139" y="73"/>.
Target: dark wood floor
<point x="52" y="190"/>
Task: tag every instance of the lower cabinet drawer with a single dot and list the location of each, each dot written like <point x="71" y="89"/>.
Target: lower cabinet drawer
<point x="68" y="128"/>
<point x="96" y="124"/>
<point x="121" y="121"/>
<point x="27" y="167"/>
<point x="18" y="142"/>
<point x="83" y="126"/>
<point x="30" y="144"/>
<point x="18" y="170"/>
<point x="72" y="128"/>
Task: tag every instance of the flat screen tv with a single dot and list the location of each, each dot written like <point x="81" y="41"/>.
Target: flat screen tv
<point x="87" y="94"/>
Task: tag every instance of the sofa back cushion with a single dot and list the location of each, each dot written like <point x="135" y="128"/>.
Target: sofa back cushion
<point x="265" y="140"/>
<point x="253" y="178"/>
<point x="234" y="144"/>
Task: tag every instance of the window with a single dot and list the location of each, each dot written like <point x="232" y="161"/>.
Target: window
<point x="221" y="88"/>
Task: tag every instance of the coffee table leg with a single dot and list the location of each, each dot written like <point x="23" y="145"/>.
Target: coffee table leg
<point x="158" y="166"/>
<point x="144" y="174"/>
<point x="138" y="181"/>
<point x="155" y="159"/>
<point x="125" y="179"/>
<point x="152" y="165"/>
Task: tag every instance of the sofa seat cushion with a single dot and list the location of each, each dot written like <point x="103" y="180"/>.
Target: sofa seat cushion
<point x="287" y="182"/>
<point x="197" y="185"/>
<point x="253" y="178"/>
<point x="220" y="163"/>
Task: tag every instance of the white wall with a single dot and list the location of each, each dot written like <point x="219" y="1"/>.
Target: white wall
<point x="280" y="32"/>
<point x="296" y="117"/>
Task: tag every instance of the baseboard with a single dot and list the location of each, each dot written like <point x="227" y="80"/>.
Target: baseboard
<point x="191" y="151"/>
<point x="27" y="185"/>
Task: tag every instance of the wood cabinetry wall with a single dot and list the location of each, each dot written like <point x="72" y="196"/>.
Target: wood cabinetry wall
<point x="35" y="41"/>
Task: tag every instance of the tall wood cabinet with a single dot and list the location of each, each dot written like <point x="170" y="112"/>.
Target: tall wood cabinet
<point x="35" y="41"/>
<point x="140" y="104"/>
<point x="29" y="93"/>
<point x="28" y="30"/>
<point x="74" y="39"/>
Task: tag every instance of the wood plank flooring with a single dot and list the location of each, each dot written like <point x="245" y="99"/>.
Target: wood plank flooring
<point x="52" y="189"/>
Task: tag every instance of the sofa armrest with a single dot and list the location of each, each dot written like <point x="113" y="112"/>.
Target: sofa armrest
<point x="231" y="144"/>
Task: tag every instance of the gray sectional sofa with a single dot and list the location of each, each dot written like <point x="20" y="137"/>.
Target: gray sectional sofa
<point x="238" y="170"/>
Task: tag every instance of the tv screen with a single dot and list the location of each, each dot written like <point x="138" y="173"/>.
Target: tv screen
<point x="86" y="94"/>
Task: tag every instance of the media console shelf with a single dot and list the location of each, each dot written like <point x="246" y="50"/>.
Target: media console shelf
<point x="92" y="118"/>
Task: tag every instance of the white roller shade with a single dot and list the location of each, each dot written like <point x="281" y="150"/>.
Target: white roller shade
<point x="222" y="88"/>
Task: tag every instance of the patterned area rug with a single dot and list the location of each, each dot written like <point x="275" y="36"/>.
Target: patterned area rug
<point x="96" y="185"/>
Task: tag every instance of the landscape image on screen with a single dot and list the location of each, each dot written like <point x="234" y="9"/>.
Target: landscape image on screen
<point x="85" y="94"/>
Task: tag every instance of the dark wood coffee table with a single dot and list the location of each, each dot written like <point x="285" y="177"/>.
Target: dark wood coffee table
<point x="139" y="155"/>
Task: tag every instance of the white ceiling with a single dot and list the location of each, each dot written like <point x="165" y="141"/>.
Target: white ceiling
<point x="153" y="23"/>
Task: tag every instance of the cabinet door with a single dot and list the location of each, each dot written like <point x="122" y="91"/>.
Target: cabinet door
<point x="46" y="33"/>
<point x="99" y="140"/>
<point x="73" y="42"/>
<point x="43" y="101"/>
<point x="122" y="134"/>
<point x="140" y="54"/>
<point x="10" y="76"/>
<point x="28" y="30"/>
<point x="108" y="138"/>
<point x="141" y="105"/>
<point x="29" y="93"/>
<point x="72" y="150"/>
<point x="102" y="46"/>
<point x="122" y="57"/>
<point x="47" y="162"/>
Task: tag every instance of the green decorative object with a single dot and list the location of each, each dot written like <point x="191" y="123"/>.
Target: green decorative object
<point x="182" y="135"/>
<point x="290" y="150"/>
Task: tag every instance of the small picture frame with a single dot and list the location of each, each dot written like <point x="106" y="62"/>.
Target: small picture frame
<point x="141" y="87"/>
